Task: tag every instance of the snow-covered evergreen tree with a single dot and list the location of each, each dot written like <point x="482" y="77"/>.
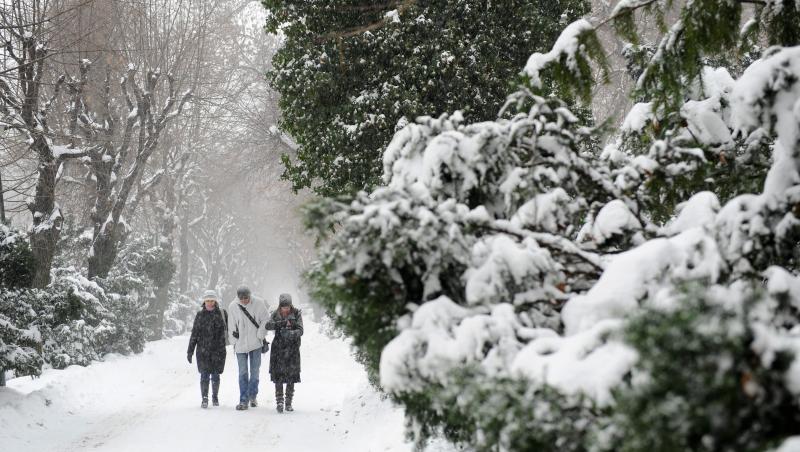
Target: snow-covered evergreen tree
<point x="16" y="259"/>
<point x="350" y="71"/>
<point x="523" y="288"/>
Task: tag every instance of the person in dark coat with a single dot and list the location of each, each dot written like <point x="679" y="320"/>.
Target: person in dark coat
<point x="284" y="358"/>
<point x="209" y="334"/>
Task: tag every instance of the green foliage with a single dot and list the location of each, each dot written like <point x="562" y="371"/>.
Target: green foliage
<point x="345" y="90"/>
<point x="702" y="387"/>
<point x="16" y="259"/>
<point x="705" y="28"/>
<point x="689" y="161"/>
<point x="81" y="320"/>
<point x="74" y="241"/>
<point x="73" y="321"/>
<point x="20" y="339"/>
<point x="363" y="308"/>
<point x="778" y="22"/>
<point x="179" y="315"/>
<point x="489" y="413"/>
<point x="140" y="269"/>
<point x="569" y="74"/>
<point x="716" y="359"/>
<point x="742" y="172"/>
<point x="159" y="267"/>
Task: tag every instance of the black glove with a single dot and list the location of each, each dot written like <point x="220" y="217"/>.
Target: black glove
<point x="189" y="357"/>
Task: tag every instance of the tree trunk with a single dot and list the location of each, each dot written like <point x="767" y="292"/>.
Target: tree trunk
<point x="167" y="244"/>
<point x="213" y="280"/>
<point x="2" y="377"/>
<point x="47" y="217"/>
<point x="2" y="202"/>
<point x="105" y="248"/>
<point x="155" y="312"/>
<point x="183" y="280"/>
<point x="105" y="244"/>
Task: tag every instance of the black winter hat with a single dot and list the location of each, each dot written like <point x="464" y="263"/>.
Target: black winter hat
<point x="243" y="292"/>
<point x="284" y="300"/>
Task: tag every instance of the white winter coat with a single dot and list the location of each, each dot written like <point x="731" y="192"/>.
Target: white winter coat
<point x="250" y="338"/>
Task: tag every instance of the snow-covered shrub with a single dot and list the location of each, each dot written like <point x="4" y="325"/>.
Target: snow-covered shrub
<point x="454" y="221"/>
<point x="72" y="321"/>
<point x="484" y="413"/>
<point x="73" y="242"/>
<point x="509" y="258"/>
<point x="142" y="268"/>
<point x="16" y="259"/>
<point x="179" y="315"/>
<point x="713" y="373"/>
<point x="83" y="321"/>
<point x="20" y="337"/>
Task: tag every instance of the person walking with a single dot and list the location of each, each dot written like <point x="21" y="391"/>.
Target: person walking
<point x="247" y="334"/>
<point x="284" y="359"/>
<point x="208" y="338"/>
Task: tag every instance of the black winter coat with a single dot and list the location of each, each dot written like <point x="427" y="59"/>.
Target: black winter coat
<point x="208" y="335"/>
<point x="284" y="357"/>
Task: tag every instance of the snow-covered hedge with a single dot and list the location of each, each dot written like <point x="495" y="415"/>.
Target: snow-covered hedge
<point x="179" y="315"/>
<point x="16" y="259"/>
<point x="521" y="289"/>
<point x="71" y="321"/>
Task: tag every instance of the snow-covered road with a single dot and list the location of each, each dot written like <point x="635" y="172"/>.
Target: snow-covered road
<point x="151" y="403"/>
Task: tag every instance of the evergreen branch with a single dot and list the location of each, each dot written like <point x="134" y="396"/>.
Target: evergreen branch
<point x="624" y="12"/>
<point x="369" y="27"/>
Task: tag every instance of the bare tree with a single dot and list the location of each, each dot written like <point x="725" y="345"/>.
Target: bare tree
<point x="25" y="108"/>
<point x="135" y="130"/>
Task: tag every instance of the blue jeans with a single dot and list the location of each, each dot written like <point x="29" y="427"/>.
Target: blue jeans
<point x="248" y="385"/>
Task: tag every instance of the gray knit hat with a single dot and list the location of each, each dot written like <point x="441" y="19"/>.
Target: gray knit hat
<point x="210" y="295"/>
<point x="284" y="300"/>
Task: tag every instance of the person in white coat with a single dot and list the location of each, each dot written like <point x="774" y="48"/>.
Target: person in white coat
<point x="246" y="328"/>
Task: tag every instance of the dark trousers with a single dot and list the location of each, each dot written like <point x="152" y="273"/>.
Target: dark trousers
<point x="204" y="379"/>
<point x="279" y="393"/>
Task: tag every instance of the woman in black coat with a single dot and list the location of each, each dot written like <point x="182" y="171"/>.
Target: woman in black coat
<point x="209" y="333"/>
<point x="284" y="357"/>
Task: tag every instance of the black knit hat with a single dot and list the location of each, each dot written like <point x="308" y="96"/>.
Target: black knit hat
<point x="243" y="292"/>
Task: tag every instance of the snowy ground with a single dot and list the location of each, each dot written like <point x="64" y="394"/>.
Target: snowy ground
<point x="151" y="402"/>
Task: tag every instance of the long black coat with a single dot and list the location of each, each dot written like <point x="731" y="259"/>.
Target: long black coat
<point x="284" y="357"/>
<point x="208" y="336"/>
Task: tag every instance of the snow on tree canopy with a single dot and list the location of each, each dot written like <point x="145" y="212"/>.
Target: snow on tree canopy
<point x="587" y="358"/>
<point x="530" y="263"/>
<point x="769" y="89"/>
<point x="614" y="219"/>
<point x="566" y="47"/>
<point x="638" y="117"/>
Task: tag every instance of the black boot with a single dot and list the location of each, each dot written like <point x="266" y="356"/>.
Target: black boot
<point x="289" y="396"/>
<point x="215" y="393"/>
<point x="204" y="393"/>
<point x="279" y="397"/>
